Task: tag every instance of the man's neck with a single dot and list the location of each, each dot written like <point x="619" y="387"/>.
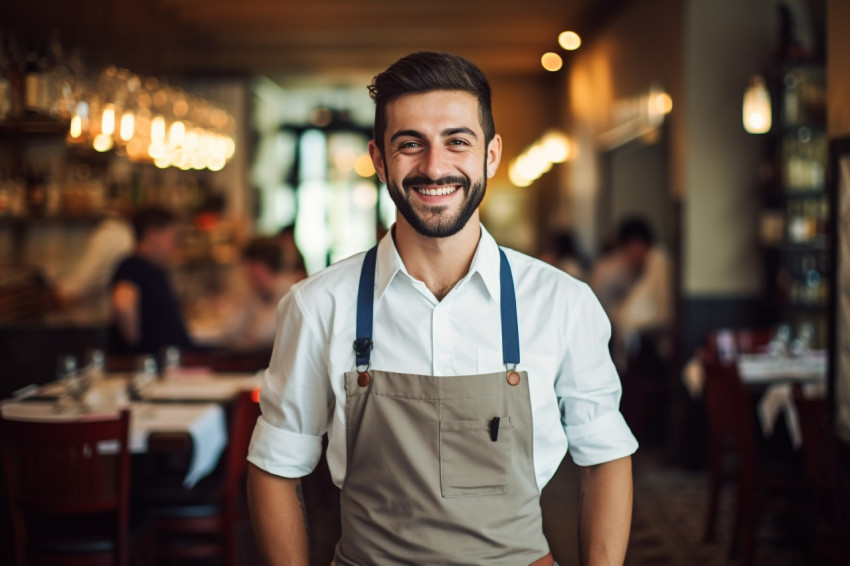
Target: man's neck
<point x="438" y="262"/>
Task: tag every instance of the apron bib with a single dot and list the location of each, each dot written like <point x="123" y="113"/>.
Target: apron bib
<point x="439" y="469"/>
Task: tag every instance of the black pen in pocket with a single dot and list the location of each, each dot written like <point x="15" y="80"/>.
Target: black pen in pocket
<point x="494" y="429"/>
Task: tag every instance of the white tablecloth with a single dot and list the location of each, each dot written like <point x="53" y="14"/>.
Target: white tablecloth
<point x="185" y="385"/>
<point x="204" y="422"/>
<point x="765" y="368"/>
<point x="778" y="373"/>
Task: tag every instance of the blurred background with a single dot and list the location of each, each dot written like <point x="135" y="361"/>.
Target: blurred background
<point x="719" y="126"/>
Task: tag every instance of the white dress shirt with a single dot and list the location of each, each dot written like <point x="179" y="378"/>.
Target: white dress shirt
<point x="110" y="242"/>
<point x="575" y="390"/>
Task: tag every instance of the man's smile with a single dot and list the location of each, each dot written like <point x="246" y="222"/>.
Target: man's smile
<point x="435" y="191"/>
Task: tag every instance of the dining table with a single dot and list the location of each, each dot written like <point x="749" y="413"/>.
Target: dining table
<point x="777" y="374"/>
<point x="187" y="402"/>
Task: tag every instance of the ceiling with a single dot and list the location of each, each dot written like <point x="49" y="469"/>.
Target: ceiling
<point x="305" y="37"/>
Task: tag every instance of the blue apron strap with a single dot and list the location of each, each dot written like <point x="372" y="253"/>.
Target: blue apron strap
<point x="365" y="297"/>
<point x="510" y="326"/>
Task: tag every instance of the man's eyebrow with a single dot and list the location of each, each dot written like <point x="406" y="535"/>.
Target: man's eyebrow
<point x="406" y="133"/>
<point x="454" y="131"/>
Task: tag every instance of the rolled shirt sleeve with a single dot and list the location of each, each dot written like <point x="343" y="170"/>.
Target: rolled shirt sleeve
<point x="287" y="440"/>
<point x="588" y="388"/>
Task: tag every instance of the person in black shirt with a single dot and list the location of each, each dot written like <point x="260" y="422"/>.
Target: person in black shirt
<point x="145" y="308"/>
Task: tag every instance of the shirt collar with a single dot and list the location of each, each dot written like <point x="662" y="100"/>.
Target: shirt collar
<point x="485" y="264"/>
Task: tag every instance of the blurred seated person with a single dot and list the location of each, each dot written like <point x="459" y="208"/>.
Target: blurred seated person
<point x="110" y="242"/>
<point x="293" y="261"/>
<point x="253" y="324"/>
<point x="563" y="252"/>
<point x="633" y="281"/>
<point x="144" y="305"/>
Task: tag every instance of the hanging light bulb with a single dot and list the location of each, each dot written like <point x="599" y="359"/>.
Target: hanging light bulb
<point x="756" y="110"/>
<point x="107" y="120"/>
<point x="127" y="127"/>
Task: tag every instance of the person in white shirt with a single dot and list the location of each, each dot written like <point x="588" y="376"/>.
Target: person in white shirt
<point x="110" y="242"/>
<point x="450" y="375"/>
<point x="635" y="286"/>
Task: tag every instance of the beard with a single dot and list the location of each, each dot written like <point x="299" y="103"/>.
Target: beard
<point x="437" y="221"/>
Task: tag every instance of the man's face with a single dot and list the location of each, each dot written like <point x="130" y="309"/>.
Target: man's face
<point x="164" y="242"/>
<point x="435" y="161"/>
<point x="635" y="252"/>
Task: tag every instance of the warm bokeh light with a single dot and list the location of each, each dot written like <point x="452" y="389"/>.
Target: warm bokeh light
<point x="569" y="40"/>
<point x="662" y="103"/>
<point x="756" y="109"/>
<point x="103" y="142"/>
<point x="551" y="61"/>
<point x="556" y="146"/>
<point x="185" y="132"/>
<point x="158" y="129"/>
<point x="107" y="120"/>
<point x="553" y="147"/>
<point x="176" y="133"/>
<point x="127" y="127"/>
<point x="76" y="129"/>
<point x="363" y="166"/>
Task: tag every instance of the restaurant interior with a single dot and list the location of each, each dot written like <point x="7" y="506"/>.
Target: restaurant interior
<point x="721" y="129"/>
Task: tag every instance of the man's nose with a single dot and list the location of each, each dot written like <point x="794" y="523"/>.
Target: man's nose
<point x="435" y="163"/>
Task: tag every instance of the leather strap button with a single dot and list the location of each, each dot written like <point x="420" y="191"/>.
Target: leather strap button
<point x="363" y="378"/>
<point x="513" y="378"/>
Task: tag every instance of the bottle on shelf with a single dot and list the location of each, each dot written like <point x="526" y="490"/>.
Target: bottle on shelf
<point x="32" y="83"/>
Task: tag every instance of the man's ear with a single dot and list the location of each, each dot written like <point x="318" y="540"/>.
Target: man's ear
<point x="494" y="155"/>
<point x="377" y="160"/>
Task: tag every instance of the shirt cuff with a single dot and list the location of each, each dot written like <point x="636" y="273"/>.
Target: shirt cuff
<point x="602" y="440"/>
<point x="283" y="452"/>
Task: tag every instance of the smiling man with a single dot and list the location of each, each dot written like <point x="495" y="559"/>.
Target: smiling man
<point x="450" y="375"/>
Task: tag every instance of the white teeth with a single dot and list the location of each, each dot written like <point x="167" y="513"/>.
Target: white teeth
<point x="436" y="192"/>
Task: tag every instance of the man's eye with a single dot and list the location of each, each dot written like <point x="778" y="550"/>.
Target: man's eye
<point x="458" y="141"/>
<point x="409" y="145"/>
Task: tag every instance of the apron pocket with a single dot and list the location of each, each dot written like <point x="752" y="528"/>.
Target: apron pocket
<point x="471" y="462"/>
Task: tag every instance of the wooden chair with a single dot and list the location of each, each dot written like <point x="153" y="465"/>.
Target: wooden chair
<point x="733" y="433"/>
<point x="821" y="455"/>
<point x="201" y="522"/>
<point x="69" y="497"/>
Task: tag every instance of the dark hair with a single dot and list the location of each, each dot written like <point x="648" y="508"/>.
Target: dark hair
<point x="635" y="229"/>
<point x="266" y="251"/>
<point x="427" y="71"/>
<point x="151" y="218"/>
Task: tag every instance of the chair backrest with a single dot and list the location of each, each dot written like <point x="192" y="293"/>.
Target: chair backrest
<point x="67" y="468"/>
<point x="727" y="402"/>
<point x="817" y="447"/>
<point x="725" y="344"/>
<point x="727" y="406"/>
<point x="243" y="417"/>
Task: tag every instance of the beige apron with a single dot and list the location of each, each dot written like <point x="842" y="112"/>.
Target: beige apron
<point x="439" y="469"/>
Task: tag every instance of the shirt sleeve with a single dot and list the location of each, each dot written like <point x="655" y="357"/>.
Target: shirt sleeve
<point x="108" y="244"/>
<point x="589" y="390"/>
<point x="287" y="439"/>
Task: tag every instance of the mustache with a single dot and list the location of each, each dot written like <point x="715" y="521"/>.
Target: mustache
<point x="423" y="180"/>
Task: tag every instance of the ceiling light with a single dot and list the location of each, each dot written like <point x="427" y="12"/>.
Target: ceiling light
<point x="756" y="110"/>
<point x="569" y="40"/>
<point x="551" y="61"/>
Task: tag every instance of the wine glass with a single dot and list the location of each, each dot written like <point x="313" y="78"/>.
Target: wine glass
<point x="74" y="384"/>
<point x="140" y="386"/>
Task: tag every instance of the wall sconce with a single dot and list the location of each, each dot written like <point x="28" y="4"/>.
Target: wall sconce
<point x="756" y="111"/>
